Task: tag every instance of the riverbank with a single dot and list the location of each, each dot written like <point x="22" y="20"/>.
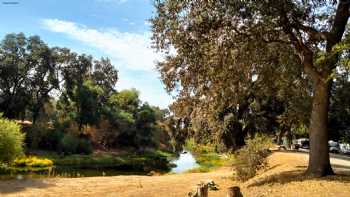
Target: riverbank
<point x="282" y="178"/>
<point x="207" y="157"/>
<point x="96" y="164"/>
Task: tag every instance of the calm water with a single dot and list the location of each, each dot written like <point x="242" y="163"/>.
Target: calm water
<point x="186" y="161"/>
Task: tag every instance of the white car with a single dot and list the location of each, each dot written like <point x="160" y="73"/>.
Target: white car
<point x="333" y="146"/>
<point x="344" y="148"/>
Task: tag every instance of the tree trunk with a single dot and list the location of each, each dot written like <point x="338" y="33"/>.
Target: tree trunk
<point x="234" y="192"/>
<point x="202" y="190"/>
<point x="35" y="114"/>
<point x="319" y="164"/>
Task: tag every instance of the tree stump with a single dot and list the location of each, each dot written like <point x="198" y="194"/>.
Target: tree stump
<point x="234" y="192"/>
<point x="202" y="190"/>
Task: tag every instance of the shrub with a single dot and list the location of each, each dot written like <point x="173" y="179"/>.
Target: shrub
<point x="194" y="147"/>
<point x="84" y="147"/>
<point x="39" y="136"/>
<point x="69" y="144"/>
<point x="51" y="140"/>
<point x="11" y="140"/>
<point x="252" y="156"/>
<point x="32" y="161"/>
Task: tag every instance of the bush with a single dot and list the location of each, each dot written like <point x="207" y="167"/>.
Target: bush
<point x="71" y="144"/>
<point x="194" y="147"/>
<point x="40" y="137"/>
<point x="11" y="140"/>
<point x="84" y="147"/>
<point x="252" y="156"/>
<point x="32" y="161"/>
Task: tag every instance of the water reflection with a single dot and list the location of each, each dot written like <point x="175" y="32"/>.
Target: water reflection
<point x="186" y="161"/>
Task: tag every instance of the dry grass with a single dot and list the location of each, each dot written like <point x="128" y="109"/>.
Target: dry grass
<point x="283" y="178"/>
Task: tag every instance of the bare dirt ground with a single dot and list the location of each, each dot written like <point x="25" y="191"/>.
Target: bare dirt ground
<point x="282" y="178"/>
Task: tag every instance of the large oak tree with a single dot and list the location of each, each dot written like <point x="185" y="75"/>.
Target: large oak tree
<point x="215" y="48"/>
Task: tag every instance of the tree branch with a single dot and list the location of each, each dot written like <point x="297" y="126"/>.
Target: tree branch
<point x="313" y="33"/>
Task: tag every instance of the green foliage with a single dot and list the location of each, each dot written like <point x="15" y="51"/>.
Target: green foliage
<point x="88" y="98"/>
<point x="28" y="74"/>
<point x="70" y="144"/>
<point x="206" y="156"/>
<point x="88" y="105"/>
<point x="11" y="140"/>
<point x="127" y="100"/>
<point x="39" y="136"/>
<point x="339" y="116"/>
<point x="252" y="156"/>
<point x="84" y="147"/>
<point x="199" y="148"/>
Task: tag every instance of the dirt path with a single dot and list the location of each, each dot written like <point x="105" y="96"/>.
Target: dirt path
<point x="167" y="185"/>
<point x="283" y="178"/>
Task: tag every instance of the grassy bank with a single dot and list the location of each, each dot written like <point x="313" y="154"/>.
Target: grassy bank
<point x="206" y="156"/>
<point x="137" y="163"/>
<point x="157" y="161"/>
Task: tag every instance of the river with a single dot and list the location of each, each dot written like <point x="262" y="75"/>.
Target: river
<point x="184" y="162"/>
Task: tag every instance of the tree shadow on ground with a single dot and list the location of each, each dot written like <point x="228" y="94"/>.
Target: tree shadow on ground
<point x="272" y="167"/>
<point x="299" y="176"/>
<point x="13" y="186"/>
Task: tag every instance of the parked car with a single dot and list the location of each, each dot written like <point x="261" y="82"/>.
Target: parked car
<point x="333" y="146"/>
<point x="344" y="149"/>
<point x="301" y="143"/>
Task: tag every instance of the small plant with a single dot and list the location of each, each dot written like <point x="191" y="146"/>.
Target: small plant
<point x="11" y="140"/>
<point x="252" y="156"/>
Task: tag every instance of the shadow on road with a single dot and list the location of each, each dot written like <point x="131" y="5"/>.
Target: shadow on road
<point x="11" y="186"/>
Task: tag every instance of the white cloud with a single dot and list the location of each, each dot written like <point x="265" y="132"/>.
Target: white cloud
<point x="129" y="52"/>
<point x="132" y="50"/>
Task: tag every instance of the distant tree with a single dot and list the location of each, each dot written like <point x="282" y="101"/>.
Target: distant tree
<point x="127" y="100"/>
<point x="14" y="72"/>
<point x="145" y="124"/>
<point x="90" y="103"/>
<point x="28" y="74"/>
<point x="44" y="77"/>
<point x="105" y="75"/>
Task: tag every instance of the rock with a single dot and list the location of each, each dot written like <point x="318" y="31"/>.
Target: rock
<point x="212" y="185"/>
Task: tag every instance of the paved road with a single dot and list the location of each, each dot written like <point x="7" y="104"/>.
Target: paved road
<point x="341" y="162"/>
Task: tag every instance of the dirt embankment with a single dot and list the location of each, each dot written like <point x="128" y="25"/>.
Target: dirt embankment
<point x="282" y="178"/>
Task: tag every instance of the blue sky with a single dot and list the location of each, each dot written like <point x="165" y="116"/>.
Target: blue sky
<point x="117" y="29"/>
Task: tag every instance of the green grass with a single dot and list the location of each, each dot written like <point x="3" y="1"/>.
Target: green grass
<point x="206" y="156"/>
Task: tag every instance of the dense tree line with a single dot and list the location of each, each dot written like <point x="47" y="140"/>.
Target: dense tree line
<point x="71" y="99"/>
<point x="251" y="65"/>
